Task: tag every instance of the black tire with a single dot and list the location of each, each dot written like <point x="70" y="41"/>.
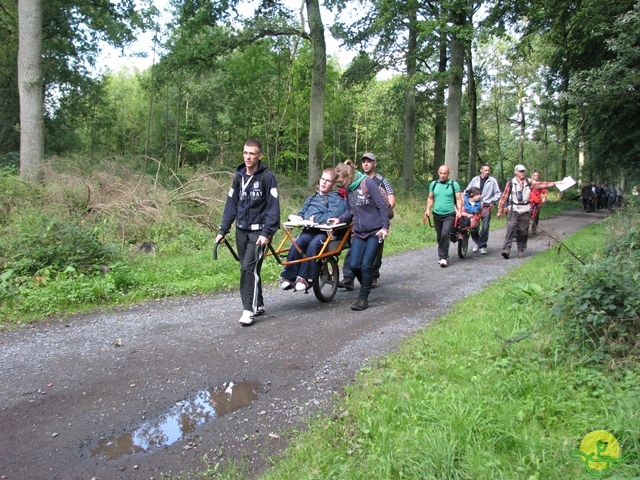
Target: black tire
<point x="463" y="245"/>
<point x="325" y="283"/>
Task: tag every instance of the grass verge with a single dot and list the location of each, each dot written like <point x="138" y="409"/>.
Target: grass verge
<point x="483" y="393"/>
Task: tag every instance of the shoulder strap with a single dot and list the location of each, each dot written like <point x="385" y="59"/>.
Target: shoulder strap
<point x="453" y="192"/>
<point x="509" y="187"/>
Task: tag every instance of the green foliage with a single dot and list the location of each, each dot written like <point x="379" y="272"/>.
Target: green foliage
<point x="603" y="94"/>
<point x="51" y="246"/>
<point x="598" y="307"/>
<point x="73" y="33"/>
<point x="9" y="161"/>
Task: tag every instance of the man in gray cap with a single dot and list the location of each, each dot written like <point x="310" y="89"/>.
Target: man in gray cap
<point x="515" y="198"/>
<point x="369" y="163"/>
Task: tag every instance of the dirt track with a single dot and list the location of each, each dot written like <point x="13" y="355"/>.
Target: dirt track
<point x="150" y="390"/>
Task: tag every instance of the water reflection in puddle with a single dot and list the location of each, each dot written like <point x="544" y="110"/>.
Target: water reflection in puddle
<point x="182" y="419"/>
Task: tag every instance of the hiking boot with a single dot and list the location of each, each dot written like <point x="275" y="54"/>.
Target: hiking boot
<point x="261" y="310"/>
<point x="285" y="284"/>
<point x="346" y="283"/>
<point x="505" y="255"/>
<point x="482" y="251"/>
<point x="247" y="317"/>
<point x="301" y="284"/>
<point x="374" y="283"/>
<point x="443" y="262"/>
<point x="520" y="254"/>
<point x="360" y="304"/>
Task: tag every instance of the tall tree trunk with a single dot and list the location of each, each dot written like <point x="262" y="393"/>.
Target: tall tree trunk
<point x="440" y="116"/>
<point x="31" y="89"/>
<point x="410" y="103"/>
<point x="318" y="82"/>
<point x="452" y="149"/>
<point x="297" y="141"/>
<point x="151" y="98"/>
<point x="167" y="132"/>
<point x="356" y="135"/>
<point x="522" y="124"/>
<point x="496" y="112"/>
<point x="473" y="113"/>
<point x="177" y="133"/>
<point x="565" y="125"/>
<point x="545" y="147"/>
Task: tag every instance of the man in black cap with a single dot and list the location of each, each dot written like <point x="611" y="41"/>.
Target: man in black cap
<point x="369" y="163"/>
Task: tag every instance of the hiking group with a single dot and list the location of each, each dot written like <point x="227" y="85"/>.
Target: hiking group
<point x="600" y="197"/>
<point x="367" y="201"/>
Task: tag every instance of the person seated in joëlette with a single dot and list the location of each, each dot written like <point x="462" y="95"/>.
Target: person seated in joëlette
<point x="318" y="208"/>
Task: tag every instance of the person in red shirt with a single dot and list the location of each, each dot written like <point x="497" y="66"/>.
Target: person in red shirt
<point x="536" y="200"/>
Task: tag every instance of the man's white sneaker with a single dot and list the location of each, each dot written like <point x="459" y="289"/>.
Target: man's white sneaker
<point x="247" y="317"/>
<point x="285" y="284"/>
<point x="483" y="251"/>
<point x="443" y="262"/>
<point x="475" y="248"/>
<point x="261" y="310"/>
<point x="301" y="284"/>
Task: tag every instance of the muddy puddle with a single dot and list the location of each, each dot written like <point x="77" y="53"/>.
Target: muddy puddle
<point x="180" y="421"/>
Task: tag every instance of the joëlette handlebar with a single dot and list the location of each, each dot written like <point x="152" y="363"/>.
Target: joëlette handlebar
<point x="425" y="218"/>
<point x="226" y="242"/>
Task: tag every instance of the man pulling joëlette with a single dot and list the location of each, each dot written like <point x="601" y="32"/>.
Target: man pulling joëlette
<point x="445" y="195"/>
<point x="254" y="205"/>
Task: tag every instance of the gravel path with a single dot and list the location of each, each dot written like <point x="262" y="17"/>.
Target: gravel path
<point x="149" y="390"/>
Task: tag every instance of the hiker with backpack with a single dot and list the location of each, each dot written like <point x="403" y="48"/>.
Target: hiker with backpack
<point x="446" y="196"/>
<point x="515" y="202"/>
<point x="369" y="163"/>
<point x="254" y="205"/>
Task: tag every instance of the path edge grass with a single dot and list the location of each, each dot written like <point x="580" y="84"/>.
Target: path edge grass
<point x="480" y="393"/>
